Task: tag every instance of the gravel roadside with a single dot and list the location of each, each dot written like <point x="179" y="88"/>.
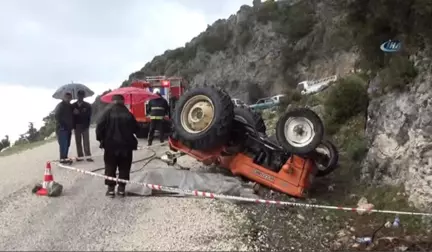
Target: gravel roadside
<point x="84" y="219"/>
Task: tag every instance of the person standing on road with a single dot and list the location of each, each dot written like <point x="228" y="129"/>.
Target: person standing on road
<point x="64" y="125"/>
<point x="82" y="115"/>
<point x="115" y="132"/>
<point x="158" y="108"/>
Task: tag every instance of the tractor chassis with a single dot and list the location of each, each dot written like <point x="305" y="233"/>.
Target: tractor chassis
<point x="262" y="162"/>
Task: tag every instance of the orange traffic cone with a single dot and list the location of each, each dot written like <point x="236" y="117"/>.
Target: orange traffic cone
<point x="47" y="182"/>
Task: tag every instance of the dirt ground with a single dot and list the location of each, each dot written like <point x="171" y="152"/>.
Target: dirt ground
<point x="84" y="219"/>
<point x="274" y="228"/>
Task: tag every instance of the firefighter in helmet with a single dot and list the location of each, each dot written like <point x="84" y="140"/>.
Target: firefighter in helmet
<point x="158" y="109"/>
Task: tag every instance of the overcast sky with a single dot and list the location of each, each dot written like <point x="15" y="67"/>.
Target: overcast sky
<point x="47" y="43"/>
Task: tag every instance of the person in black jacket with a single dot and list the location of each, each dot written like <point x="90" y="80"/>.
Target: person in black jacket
<point x="82" y="115"/>
<point x="64" y="126"/>
<point x="115" y="132"/>
<point x="158" y="108"/>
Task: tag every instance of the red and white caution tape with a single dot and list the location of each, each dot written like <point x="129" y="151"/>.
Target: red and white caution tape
<point x="238" y="198"/>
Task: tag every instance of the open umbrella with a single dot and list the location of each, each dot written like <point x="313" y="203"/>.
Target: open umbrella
<point x="73" y="89"/>
<point x="132" y="95"/>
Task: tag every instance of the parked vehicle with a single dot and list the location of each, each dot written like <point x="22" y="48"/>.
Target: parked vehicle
<point x="310" y="87"/>
<point x="171" y="88"/>
<point x="268" y="102"/>
<point x="238" y="102"/>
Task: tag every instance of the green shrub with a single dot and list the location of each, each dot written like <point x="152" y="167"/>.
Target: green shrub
<point x="292" y="96"/>
<point x="216" y="38"/>
<point x="296" y="21"/>
<point x="346" y="98"/>
<point x="351" y="140"/>
<point x="182" y="54"/>
<point x="356" y="149"/>
<point x="398" y="75"/>
<point x="244" y="38"/>
<point x="267" y="12"/>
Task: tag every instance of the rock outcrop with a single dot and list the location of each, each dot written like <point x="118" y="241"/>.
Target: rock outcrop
<point x="399" y="129"/>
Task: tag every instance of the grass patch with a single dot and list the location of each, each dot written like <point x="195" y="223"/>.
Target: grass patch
<point x="23" y="147"/>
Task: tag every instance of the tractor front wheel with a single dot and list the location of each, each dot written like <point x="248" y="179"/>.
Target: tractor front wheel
<point x="299" y="131"/>
<point x="326" y="158"/>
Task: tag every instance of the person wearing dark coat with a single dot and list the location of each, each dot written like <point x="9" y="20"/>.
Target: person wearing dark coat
<point x="64" y="125"/>
<point x="115" y="132"/>
<point x="82" y="116"/>
<point x="158" y="109"/>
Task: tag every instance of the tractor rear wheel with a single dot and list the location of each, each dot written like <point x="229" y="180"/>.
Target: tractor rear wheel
<point x="203" y="118"/>
<point x="299" y="131"/>
<point x="246" y="115"/>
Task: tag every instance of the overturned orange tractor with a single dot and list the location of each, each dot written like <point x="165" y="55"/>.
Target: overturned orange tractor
<point x="208" y="127"/>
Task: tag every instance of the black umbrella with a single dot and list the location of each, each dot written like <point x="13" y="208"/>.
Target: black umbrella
<point x="73" y="89"/>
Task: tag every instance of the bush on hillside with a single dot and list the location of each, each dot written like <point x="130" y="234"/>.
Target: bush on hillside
<point x="267" y="11"/>
<point x="182" y="54"/>
<point x="244" y="38"/>
<point x="4" y="143"/>
<point x="346" y="98"/>
<point x="296" y="21"/>
<point x="398" y="74"/>
<point x="216" y="38"/>
<point x="292" y="96"/>
<point x="376" y="21"/>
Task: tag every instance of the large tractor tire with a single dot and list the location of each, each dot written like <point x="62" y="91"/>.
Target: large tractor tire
<point x="246" y="115"/>
<point x="326" y="158"/>
<point x="299" y="131"/>
<point x="203" y="118"/>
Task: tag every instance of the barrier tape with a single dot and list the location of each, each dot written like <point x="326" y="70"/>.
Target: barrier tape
<point x="210" y="195"/>
<point x="100" y="155"/>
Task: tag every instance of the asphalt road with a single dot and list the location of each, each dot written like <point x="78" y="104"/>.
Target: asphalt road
<point x="84" y="219"/>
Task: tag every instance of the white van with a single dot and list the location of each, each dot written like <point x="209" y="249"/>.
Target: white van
<point x="309" y="87"/>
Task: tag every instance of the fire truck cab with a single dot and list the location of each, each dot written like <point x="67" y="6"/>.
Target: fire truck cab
<point x="171" y="88"/>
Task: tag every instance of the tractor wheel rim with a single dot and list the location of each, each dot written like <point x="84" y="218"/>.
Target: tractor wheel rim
<point x="299" y="131"/>
<point x="323" y="150"/>
<point x="197" y="114"/>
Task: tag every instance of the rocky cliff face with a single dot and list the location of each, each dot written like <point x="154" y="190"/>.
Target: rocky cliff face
<point x="267" y="48"/>
<point x="399" y="130"/>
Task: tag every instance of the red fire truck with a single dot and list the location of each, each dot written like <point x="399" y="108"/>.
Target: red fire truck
<point x="171" y="88"/>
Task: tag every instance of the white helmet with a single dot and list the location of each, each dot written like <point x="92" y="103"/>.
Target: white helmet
<point x="156" y="91"/>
